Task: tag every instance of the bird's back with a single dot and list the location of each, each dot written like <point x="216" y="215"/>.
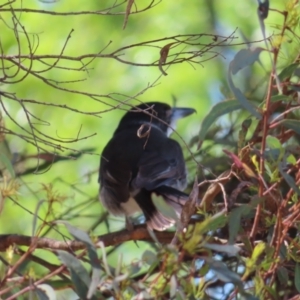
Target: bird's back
<point x="130" y="163"/>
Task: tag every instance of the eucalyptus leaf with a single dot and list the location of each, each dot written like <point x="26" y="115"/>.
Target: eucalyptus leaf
<point x="291" y="124"/>
<point x="223" y="273"/>
<point x="217" y="111"/>
<point x="289" y="179"/>
<point x="83" y="237"/>
<point x="244" y="58"/>
<point x="242" y="99"/>
<point x="288" y="71"/>
<point x="79" y="275"/>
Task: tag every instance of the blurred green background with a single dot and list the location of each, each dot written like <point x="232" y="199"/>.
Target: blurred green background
<point x="198" y="86"/>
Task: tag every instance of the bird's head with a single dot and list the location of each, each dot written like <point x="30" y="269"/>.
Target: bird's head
<point x="157" y="114"/>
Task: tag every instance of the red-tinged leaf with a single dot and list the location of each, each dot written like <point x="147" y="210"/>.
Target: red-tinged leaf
<point x="234" y="158"/>
<point x="164" y="52"/>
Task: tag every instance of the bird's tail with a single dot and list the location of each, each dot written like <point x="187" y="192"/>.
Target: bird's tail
<point x="156" y="219"/>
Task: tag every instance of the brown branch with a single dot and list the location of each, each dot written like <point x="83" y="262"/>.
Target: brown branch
<point x="103" y="12"/>
<point x="140" y="233"/>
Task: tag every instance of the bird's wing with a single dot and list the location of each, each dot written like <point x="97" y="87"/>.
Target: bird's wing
<point x="114" y="178"/>
<point x="162" y="166"/>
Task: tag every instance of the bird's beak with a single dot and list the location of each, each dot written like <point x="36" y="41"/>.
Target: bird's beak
<point x="181" y="112"/>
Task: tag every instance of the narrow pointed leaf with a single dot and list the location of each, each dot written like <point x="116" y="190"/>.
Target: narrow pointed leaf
<point x="291" y="124"/>
<point x="244" y="58"/>
<point x="79" y="275"/>
<point x="288" y="71"/>
<point x="82" y="236"/>
<point x="217" y="111"/>
<point x="242" y="99"/>
<point x="289" y="179"/>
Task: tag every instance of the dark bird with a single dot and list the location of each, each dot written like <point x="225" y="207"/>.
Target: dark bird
<point x="140" y="160"/>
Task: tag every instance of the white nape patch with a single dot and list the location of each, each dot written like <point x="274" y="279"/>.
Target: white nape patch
<point x="172" y="127"/>
<point x="130" y="207"/>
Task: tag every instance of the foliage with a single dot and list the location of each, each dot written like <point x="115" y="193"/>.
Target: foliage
<point x="238" y="235"/>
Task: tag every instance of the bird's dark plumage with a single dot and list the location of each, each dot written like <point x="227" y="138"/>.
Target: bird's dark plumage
<point x="140" y="160"/>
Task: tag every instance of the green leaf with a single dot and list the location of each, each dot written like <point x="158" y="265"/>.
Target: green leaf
<point x="297" y="277"/>
<point x="217" y="111"/>
<point x="244" y="58"/>
<point x="77" y="233"/>
<point x="212" y="223"/>
<point x="79" y="275"/>
<point x="236" y="215"/>
<point x="289" y="179"/>
<point x="96" y="275"/>
<point x="209" y="224"/>
<point x="273" y="294"/>
<point x="83" y="237"/>
<point x="149" y="257"/>
<point x="288" y="71"/>
<point x="295" y="88"/>
<point x="242" y="99"/>
<point x="283" y="275"/>
<point x="273" y="142"/>
<point x="280" y="98"/>
<point x="276" y="151"/>
<point x="291" y="124"/>
<point x="258" y="250"/>
<point x="235" y="221"/>
<point x="243" y="132"/>
<point x="291" y="159"/>
<point x="223" y="273"/>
